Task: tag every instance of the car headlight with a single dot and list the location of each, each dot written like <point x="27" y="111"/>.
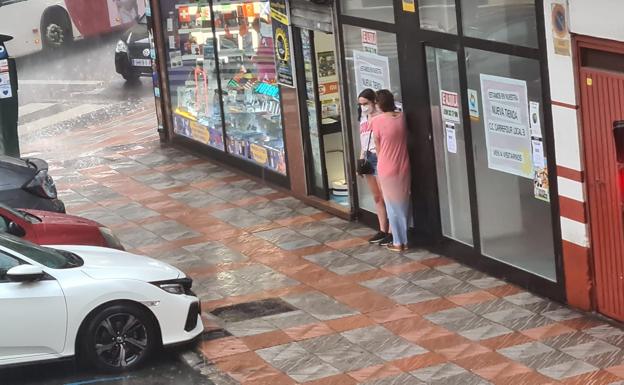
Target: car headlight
<point x="43" y="185"/>
<point x="176" y="286"/>
<point x="111" y="239"/>
<point x="121" y="47"/>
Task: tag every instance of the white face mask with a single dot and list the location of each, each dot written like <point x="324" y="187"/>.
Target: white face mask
<point x="365" y="109"/>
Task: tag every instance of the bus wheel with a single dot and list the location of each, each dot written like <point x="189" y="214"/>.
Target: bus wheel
<point x="56" y="29"/>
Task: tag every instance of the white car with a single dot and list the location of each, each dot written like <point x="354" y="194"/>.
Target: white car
<point x="107" y="306"/>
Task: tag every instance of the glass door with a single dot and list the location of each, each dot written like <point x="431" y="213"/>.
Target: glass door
<point x="311" y="117"/>
<point x="449" y="144"/>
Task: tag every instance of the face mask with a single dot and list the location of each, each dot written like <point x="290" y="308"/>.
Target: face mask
<point x="365" y="109"/>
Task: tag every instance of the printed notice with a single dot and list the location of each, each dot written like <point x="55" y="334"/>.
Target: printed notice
<point x="5" y="91"/>
<point x="506" y="121"/>
<point x="369" y="40"/>
<point x="535" y="122"/>
<point x="371" y="71"/>
<point x="538" y="154"/>
<point x="5" y="78"/>
<point x="473" y="104"/>
<point x="450" y="106"/>
<point x="451" y="138"/>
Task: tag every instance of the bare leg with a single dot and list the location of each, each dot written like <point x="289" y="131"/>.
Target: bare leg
<point x="380" y="206"/>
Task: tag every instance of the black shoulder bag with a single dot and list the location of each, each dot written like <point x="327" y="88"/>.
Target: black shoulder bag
<point x="364" y="166"/>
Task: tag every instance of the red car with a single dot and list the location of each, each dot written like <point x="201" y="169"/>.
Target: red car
<point x="49" y="228"/>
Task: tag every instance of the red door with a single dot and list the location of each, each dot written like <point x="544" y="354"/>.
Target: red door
<point x="602" y="103"/>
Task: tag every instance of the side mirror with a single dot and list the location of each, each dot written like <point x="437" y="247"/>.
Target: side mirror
<point x="15" y="229"/>
<point x="24" y="273"/>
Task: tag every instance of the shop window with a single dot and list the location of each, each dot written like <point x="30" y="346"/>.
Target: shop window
<point x="251" y="96"/>
<point x="449" y="144"/>
<point x="438" y="15"/>
<point x="506" y="21"/>
<point x="222" y="71"/>
<point x="192" y="74"/>
<point x="380" y="10"/>
<point x="510" y="164"/>
<point x="383" y="57"/>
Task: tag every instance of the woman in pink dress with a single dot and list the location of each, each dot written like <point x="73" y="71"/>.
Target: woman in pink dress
<point x="393" y="167"/>
<point x="367" y="111"/>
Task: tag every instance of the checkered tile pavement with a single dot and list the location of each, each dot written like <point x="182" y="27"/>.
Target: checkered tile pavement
<point x="292" y="295"/>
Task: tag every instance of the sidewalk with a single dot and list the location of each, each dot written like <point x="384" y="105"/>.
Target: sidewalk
<point x="292" y="295"/>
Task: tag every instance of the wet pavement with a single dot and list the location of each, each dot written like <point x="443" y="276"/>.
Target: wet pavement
<point x="293" y="295"/>
<point x="164" y="370"/>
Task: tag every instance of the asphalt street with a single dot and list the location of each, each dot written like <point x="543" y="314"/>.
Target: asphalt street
<point x="165" y="369"/>
<point x="83" y="72"/>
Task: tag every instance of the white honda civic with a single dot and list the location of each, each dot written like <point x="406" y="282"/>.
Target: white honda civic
<point x="109" y="307"/>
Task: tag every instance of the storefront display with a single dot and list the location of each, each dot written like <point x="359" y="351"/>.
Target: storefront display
<point x="223" y="79"/>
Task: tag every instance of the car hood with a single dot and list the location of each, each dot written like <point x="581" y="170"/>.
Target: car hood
<point x="105" y="263"/>
<point x="52" y="218"/>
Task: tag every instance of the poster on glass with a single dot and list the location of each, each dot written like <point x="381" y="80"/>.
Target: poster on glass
<point x="506" y="118"/>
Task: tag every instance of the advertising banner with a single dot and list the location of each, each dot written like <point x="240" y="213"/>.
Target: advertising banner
<point x="506" y="121"/>
<point x="371" y="71"/>
<point x="283" y="48"/>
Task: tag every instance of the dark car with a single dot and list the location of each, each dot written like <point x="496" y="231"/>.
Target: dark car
<point x="133" y="52"/>
<point x="25" y="183"/>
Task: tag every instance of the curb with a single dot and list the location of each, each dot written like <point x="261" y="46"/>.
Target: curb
<point x="196" y="361"/>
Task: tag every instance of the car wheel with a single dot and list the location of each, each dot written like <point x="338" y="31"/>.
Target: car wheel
<point x="119" y="337"/>
<point x="56" y="30"/>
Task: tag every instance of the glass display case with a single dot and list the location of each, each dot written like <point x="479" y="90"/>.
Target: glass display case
<point x="223" y="79"/>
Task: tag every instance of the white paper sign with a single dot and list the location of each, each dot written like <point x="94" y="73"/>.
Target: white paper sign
<point x="371" y="71"/>
<point x="473" y="103"/>
<point x="534" y="120"/>
<point x="450" y="106"/>
<point x="506" y="123"/>
<point x="538" y="154"/>
<point x="169" y="24"/>
<point x="5" y="78"/>
<point x="369" y="40"/>
<point x="451" y="138"/>
<point x="5" y="91"/>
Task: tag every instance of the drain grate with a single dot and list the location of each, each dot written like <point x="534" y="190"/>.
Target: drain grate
<point x="255" y="309"/>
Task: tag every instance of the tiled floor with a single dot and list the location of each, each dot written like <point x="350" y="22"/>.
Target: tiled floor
<point x="292" y="295"/>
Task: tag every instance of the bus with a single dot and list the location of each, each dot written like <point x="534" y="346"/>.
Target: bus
<point x="50" y="24"/>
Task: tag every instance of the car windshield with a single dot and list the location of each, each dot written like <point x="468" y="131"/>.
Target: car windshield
<point x="48" y="257"/>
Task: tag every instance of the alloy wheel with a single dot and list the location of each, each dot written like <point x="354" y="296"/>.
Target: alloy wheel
<point x="120" y="340"/>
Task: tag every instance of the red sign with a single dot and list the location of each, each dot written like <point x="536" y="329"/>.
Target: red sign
<point x="450" y="99"/>
<point x="328" y="88"/>
<point x="369" y="37"/>
<point x="183" y="15"/>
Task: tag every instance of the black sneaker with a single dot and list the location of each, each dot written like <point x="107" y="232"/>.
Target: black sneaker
<point x="386" y="241"/>
<point x="380" y="236"/>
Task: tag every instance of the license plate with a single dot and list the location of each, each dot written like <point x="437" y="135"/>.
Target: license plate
<point x="142" y="62"/>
